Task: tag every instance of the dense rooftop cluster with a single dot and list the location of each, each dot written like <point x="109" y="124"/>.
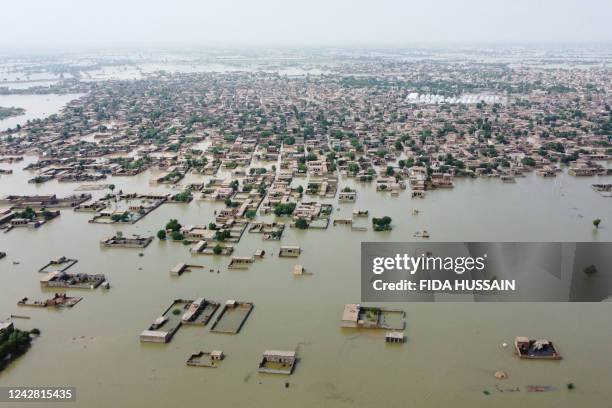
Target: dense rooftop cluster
<point x="363" y="120"/>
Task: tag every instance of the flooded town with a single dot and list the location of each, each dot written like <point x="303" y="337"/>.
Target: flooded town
<point x="166" y="213"/>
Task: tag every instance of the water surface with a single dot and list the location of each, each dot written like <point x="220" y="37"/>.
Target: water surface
<point x="452" y="351"/>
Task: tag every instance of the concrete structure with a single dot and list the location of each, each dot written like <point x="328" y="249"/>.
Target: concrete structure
<point x="277" y="362"/>
<point x="59" y="279"/>
<point x="291" y="251"/>
<point x="357" y="316"/>
<point x="394" y="337"/>
<point x="206" y="359"/>
<point x="232" y="317"/>
<point x="123" y="242"/>
<point x="535" y="349"/>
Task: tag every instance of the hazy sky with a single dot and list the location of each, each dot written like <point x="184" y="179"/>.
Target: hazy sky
<point x="64" y="23"/>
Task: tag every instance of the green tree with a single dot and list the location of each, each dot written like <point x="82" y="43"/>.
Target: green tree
<point x="12" y="345"/>
<point x="222" y="235"/>
<point x="123" y="217"/>
<point x="28" y="213"/>
<point x="528" y="161"/>
<point x="284" y="209"/>
<point x="173" y="225"/>
<point x="301" y="223"/>
<point x="381" y="224"/>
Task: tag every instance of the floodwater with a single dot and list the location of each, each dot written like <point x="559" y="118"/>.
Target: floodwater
<point x="28" y="84"/>
<point x="452" y="349"/>
<point x="140" y="70"/>
<point x="36" y="106"/>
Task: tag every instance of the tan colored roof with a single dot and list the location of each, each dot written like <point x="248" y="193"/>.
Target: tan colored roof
<point x="49" y="276"/>
<point x="279" y="353"/>
<point x="351" y="312"/>
<point x="154" y="333"/>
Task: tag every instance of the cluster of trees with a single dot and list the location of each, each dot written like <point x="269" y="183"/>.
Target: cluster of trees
<point x="39" y="179"/>
<point x="182" y="196"/>
<point x="572" y="157"/>
<point x="197" y="162"/>
<point x="257" y="170"/>
<point x="174" y="228"/>
<point x="405" y="163"/>
<point x="528" y="161"/>
<point x="228" y="202"/>
<point x="276" y="234"/>
<point x="353" y="168"/>
<point x="123" y="217"/>
<point x="173" y="176"/>
<point x="14" y="344"/>
<point x="222" y="235"/>
<point x="284" y="209"/>
<point x="28" y="214"/>
<point x="382" y="224"/>
<point x="301" y="223"/>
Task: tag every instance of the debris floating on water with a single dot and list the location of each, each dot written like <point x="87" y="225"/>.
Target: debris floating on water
<point x="501" y="375"/>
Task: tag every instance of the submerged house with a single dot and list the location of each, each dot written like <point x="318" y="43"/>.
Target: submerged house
<point x="277" y="362"/>
<point x="292" y="251"/>
<point x="206" y="359"/>
<point x="357" y="316"/>
<point x="57" y="279"/>
<point x="536" y="349"/>
<point x="395" y="337"/>
<point x="347" y="196"/>
<point x="241" y="262"/>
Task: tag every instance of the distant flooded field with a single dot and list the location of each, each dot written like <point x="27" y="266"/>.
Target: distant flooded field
<point x="36" y="106"/>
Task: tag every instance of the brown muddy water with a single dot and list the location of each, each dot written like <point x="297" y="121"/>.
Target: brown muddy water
<point x="452" y="349"/>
